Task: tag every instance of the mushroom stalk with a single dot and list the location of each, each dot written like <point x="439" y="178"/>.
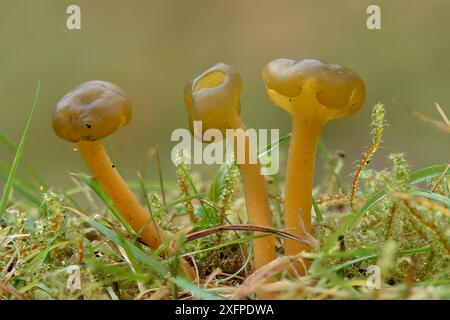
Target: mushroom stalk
<point x="86" y="115"/>
<point x="313" y="92"/>
<point x="256" y="199"/>
<point x="99" y="163"/>
<point x="102" y="168"/>
<point x="299" y="181"/>
<point x="213" y="98"/>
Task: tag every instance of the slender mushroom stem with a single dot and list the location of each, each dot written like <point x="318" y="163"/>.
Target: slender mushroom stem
<point x="299" y="181"/>
<point x="256" y="198"/>
<point x="104" y="171"/>
<point x="213" y="97"/>
<point x="86" y="115"/>
<point x="313" y="92"/>
<point x="139" y="219"/>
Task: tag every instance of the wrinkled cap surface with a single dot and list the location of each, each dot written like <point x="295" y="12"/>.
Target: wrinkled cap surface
<point x="91" y="111"/>
<point x="335" y="87"/>
<point x="213" y="96"/>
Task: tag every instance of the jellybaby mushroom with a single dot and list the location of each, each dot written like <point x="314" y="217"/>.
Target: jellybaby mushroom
<point x="86" y="115"/>
<point x="213" y="97"/>
<point x="313" y="92"/>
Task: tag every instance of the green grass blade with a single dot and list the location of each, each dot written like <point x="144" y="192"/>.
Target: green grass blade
<point x="195" y="291"/>
<point x="375" y="255"/>
<point x="430" y="195"/>
<point x="39" y="258"/>
<point x="178" y="201"/>
<point x="117" y="272"/>
<point x="271" y="146"/>
<point x="218" y="184"/>
<point x="95" y="186"/>
<point x="136" y="252"/>
<point x="21" y="187"/>
<point x="30" y="168"/>
<point x="317" y="211"/>
<point x="350" y="220"/>
<point x="4" y="171"/>
<point x="428" y="173"/>
<point x="12" y="173"/>
<point x="147" y="202"/>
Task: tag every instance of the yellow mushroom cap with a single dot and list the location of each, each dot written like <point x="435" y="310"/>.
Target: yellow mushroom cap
<point x="91" y="111"/>
<point x="213" y="96"/>
<point x="336" y="87"/>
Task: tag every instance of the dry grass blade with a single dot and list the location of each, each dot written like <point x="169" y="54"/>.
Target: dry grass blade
<point x="257" y="279"/>
<point x="440" y="125"/>
<point x="158" y="294"/>
<point x="211" y="277"/>
<point x="11" y="291"/>
<point x="442" y="113"/>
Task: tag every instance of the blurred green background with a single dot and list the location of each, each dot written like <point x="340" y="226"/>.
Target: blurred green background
<point x="151" y="48"/>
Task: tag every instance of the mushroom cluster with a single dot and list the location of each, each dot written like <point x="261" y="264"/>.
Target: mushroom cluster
<point x="312" y="91"/>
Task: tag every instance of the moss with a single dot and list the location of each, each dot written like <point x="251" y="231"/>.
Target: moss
<point x="56" y="251"/>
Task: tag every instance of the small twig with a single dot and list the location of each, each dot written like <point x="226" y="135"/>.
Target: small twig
<point x="11" y="291"/>
<point x="211" y="277"/>
<point x="432" y="122"/>
<point x="197" y="273"/>
<point x="241" y="227"/>
<point x="224" y="217"/>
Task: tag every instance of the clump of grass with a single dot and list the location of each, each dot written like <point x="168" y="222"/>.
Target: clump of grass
<point x="73" y="244"/>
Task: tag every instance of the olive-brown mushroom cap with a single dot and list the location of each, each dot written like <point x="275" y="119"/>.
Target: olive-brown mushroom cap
<point x="213" y="96"/>
<point x="91" y="111"/>
<point x="336" y="87"/>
